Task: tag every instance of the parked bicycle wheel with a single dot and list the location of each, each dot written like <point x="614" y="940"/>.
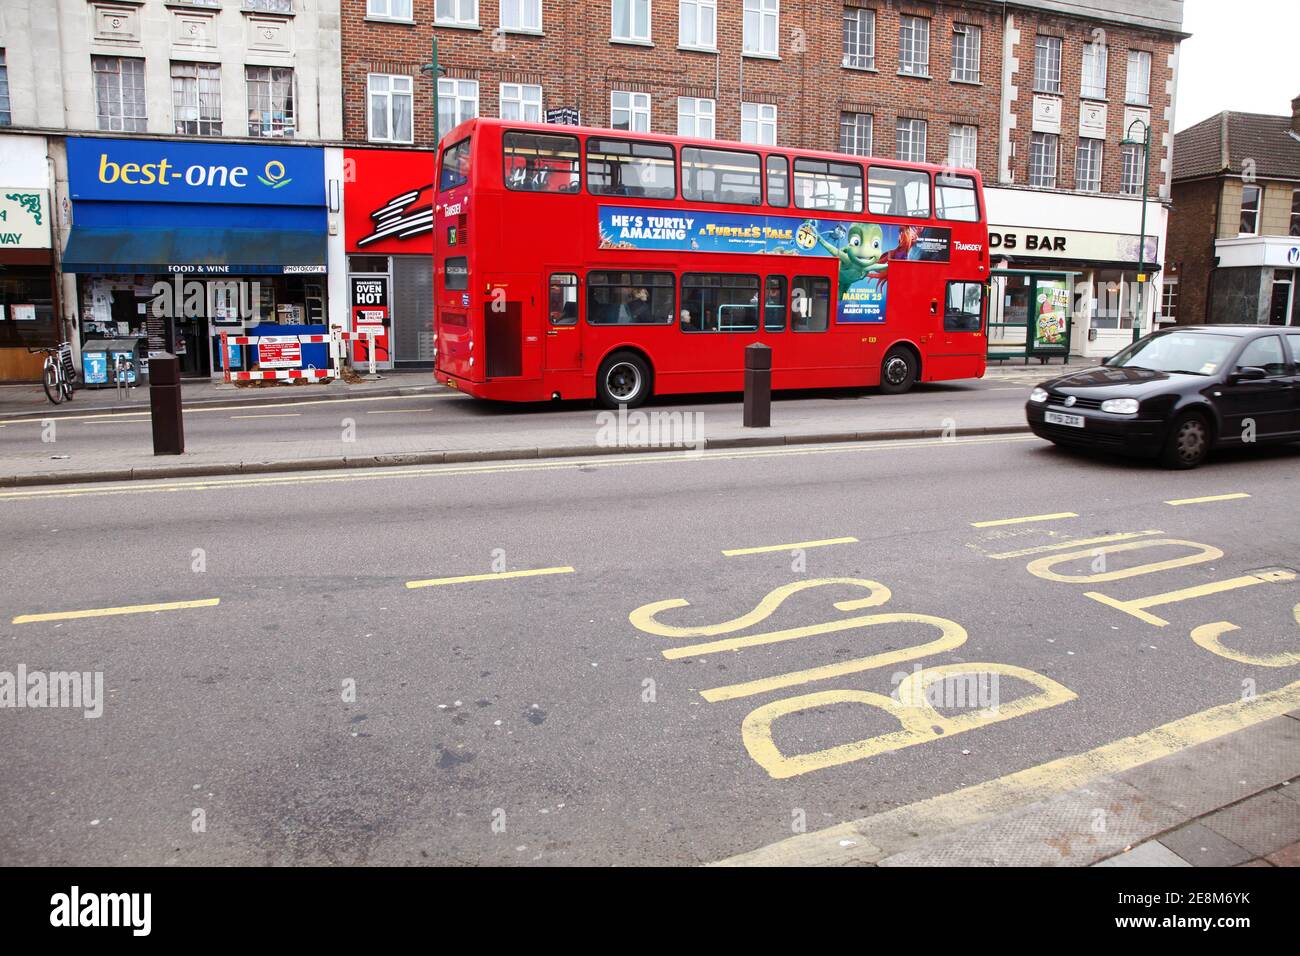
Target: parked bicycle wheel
<point x="54" y="386"/>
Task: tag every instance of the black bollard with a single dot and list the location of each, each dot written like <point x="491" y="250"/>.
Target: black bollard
<point x="165" y="405"/>
<point x="758" y="386"/>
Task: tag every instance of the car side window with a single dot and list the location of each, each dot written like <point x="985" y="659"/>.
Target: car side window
<point x="1266" y="353"/>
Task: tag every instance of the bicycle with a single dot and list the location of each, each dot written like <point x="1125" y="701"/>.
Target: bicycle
<point x="57" y="374"/>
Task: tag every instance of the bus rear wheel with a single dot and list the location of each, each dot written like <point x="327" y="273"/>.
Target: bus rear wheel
<point x="897" y="371"/>
<point x="623" y="379"/>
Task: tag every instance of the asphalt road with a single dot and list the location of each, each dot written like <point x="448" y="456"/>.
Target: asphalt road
<point x="530" y="720"/>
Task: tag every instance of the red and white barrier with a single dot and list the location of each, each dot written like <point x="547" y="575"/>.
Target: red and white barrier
<point x="335" y="338"/>
<point x="280" y="373"/>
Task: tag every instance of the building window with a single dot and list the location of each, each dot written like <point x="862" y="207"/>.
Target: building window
<point x="758" y="123"/>
<point x="962" y="144"/>
<point x="260" y="6"/>
<point x="630" y="111"/>
<point x="119" y="93"/>
<point x="1295" y="213"/>
<point x="521" y="15"/>
<point x="270" y="101"/>
<point x="630" y="21"/>
<point x="1169" y="299"/>
<point x="697" y="24"/>
<point x="458" y="13"/>
<point x="390" y="9"/>
<point x="1115" y="300"/>
<point x="966" y="53"/>
<point x="914" y="46"/>
<point x="911" y="140"/>
<point x="1137" y="86"/>
<point x="695" y="117"/>
<point x="1042" y="159"/>
<point x="855" y="133"/>
<point x="1251" y="200"/>
<point x="6" y="117"/>
<point x="1130" y="181"/>
<point x="859" y="38"/>
<point x="1087" y="166"/>
<point x="1092" y="84"/>
<point x="761" y="27"/>
<point x="391" y="102"/>
<point x="457" y="102"/>
<point x="1047" y="65"/>
<point x="521" y="101"/>
<point x="196" y="99"/>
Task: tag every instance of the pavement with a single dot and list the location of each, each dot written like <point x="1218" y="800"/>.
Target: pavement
<point x="405" y="419"/>
<point x="975" y="650"/>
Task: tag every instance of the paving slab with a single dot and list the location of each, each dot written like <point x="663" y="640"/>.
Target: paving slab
<point x="1262" y="824"/>
<point x="1201" y="846"/>
<point x="1153" y="853"/>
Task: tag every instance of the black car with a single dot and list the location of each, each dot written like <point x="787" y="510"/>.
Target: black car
<point x="1178" y="393"/>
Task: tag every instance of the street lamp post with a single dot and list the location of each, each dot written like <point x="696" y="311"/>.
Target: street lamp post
<point x="435" y="70"/>
<point x="1145" y="143"/>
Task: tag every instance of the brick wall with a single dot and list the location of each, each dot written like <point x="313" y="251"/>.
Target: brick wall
<point x="1190" y="245"/>
<point x="1075" y="34"/>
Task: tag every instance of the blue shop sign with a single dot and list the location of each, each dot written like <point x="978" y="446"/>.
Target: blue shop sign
<point x="156" y="171"/>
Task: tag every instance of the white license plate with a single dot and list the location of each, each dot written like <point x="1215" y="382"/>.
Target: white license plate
<point x="1060" y="418"/>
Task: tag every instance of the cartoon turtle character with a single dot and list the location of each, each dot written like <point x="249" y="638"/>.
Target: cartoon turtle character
<point x="861" y="255"/>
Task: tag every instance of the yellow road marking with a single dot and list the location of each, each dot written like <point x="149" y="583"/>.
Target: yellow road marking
<point x="1027" y="518"/>
<point x="494" y="576"/>
<point x="489" y="468"/>
<point x="272" y="415"/>
<point x="1137" y="607"/>
<point x="114" y="611"/>
<point x="763" y="549"/>
<point x="1198" y="501"/>
<point x="1073" y="542"/>
<point x="873" y="838"/>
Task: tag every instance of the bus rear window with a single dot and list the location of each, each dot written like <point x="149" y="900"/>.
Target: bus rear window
<point x="954" y="198"/>
<point x="455" y="166"/>
<point x="540" y="162"/>
<point x="898" y="192"/>
<point x="719" y="175"/>
<point x="822" y="185"/>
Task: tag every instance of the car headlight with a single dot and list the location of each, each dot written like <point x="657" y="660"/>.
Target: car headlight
<point x="1038" y="395"/>
<point x="1120" y="406"/>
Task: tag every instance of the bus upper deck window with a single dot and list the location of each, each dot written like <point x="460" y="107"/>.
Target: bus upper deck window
<point x="819" y="184"/>
<point x="721" y="175"/>
<point x="455" y="166"/>
<point x="540" y="162"/>
<point x="898" y="192"/>
<point x="954" y="198"/>
<point x="778" y="175"/>
<point x="620" y="167"/>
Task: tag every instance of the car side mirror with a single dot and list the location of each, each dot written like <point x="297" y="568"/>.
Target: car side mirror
<point x="1247" y="373"/>
<point x="1107" y="359"/>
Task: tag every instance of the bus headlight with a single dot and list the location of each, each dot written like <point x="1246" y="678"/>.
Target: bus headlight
<point x="1120" y="406"/>
<point x="1038" y="395"/>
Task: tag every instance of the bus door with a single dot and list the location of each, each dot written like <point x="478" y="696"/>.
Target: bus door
<point x="512" y="320"/>
<point x="964" y="346"/>
<point x="563" y="334"/>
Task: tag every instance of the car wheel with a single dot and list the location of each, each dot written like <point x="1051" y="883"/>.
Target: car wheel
<point x="1188" y="443"/>
<point x="623" y="379"/>
<point x="897" y="371"/>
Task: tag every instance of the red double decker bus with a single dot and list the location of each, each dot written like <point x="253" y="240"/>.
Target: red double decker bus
<point x="580" y="263"/>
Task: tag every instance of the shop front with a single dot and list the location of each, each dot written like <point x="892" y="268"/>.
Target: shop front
<point x="173" y="244"/>
<point x="388" y="231"/>
<point x="28" y="286"/>
<point x="1092" y="240"/>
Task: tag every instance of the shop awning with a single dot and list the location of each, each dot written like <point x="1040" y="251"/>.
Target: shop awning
<point x="115" y="238"/>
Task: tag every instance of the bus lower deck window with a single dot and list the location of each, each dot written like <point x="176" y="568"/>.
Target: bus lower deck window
<point x="630" y="298"/>
<point x="713" y="302"/>
<point x="810" y="304"/>
<point x="563" y="304"/>
<point x="774" y="300"/>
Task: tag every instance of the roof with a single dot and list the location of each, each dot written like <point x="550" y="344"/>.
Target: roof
<point x="1223" y="144"/>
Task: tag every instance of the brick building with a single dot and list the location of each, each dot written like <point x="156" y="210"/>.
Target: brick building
<point x="1234" y="232"/>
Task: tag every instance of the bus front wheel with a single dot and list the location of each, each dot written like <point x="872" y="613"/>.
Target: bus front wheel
<point x="898" y="371"/>
<point x="623" y="379"/>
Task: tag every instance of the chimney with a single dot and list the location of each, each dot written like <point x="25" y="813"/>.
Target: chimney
<point x="1295" y="116"/>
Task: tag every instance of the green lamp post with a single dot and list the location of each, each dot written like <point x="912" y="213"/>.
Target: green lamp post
<point x="435" y="70"/>
<point x="1145" y="143"/>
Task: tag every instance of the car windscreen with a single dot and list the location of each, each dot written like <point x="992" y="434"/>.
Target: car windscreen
<point x="1196" y="353"/>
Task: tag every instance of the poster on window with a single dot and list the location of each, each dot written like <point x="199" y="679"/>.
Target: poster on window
<point x="1051" y="314"/>
<point x="865" y="250"/>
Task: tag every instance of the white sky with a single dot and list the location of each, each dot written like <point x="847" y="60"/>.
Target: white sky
<point x="1243" y="55"/>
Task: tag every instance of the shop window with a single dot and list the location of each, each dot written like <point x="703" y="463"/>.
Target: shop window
<point x="26" y="307"/>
